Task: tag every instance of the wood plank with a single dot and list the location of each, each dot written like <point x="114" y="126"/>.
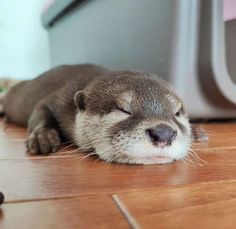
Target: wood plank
<point x="10" y="127"/>
<point x="211" y="205"/>
<point x="12" y="136"/>
<point x="220" y="135"/>
<point x="72" y="186"/>
<point x="12" y="149"/>
<point x="54" y="177"/>
<point x="84" y="212"/>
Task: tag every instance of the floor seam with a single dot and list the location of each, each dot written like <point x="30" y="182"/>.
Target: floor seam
<point x="72" y="196"/>
<point x="124" y="210"/>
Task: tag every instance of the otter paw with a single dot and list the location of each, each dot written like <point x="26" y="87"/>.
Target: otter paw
<point x="43" y="142"/>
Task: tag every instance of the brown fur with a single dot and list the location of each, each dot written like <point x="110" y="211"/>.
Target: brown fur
<point x="46" y="103"/>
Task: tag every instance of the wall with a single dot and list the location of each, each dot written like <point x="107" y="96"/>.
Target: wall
<point x="229" y="10"/>
<point x="24" y="47"/>
<point x="117" y="34"/>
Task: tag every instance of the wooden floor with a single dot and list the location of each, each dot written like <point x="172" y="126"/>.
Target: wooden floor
<point x="70" y="190"/>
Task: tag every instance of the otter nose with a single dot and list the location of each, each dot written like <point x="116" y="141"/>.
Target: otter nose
<point x="161" y="134"/>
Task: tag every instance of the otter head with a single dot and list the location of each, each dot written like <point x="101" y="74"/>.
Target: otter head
<point x="132" y="117"/>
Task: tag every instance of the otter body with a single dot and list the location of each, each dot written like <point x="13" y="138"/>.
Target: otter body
<point x="124" y="116"/>
<point x="22" y="98"/>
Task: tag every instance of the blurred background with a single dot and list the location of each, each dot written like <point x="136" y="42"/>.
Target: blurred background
<point x="24" y="44"/>
<point x="190" y="43"/>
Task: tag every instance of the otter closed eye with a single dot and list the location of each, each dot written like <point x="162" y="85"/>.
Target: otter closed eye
<point x="125" y="116"/>
<point x="123" y="110"/>
<point x="179" y="112"/>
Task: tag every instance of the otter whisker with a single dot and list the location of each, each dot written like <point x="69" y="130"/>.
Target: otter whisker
<point x="69" y="151"/>
<point x="198" y="157"/>
<point x="65" y="148"/>
<point x="187" y="162"/>
<point x="67" y="142"/>
<point x="88" y="155"/>
<point x="195" y="159"/>
<point x="187" y="158"/>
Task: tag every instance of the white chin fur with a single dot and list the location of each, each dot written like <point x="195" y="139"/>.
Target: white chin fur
<point x="91" y="132"/>
<point x="146" y="161"/>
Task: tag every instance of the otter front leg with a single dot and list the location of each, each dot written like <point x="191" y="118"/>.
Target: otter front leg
<point x="43" y="134"/>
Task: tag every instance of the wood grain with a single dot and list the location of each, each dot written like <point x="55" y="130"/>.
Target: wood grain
<point x="11" y="136"/>
<point x="49" y="190"/>
<point x="83" y="212"/>
<point x="66" y="176"/>
<point x="220" y="135"/>
<point x="209" y="205"/>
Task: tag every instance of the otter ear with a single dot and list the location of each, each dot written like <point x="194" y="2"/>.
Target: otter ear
<point x="125" y="99"/>
<point x="79" y="98"/>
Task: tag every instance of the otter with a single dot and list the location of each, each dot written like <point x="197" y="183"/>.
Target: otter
<point x="131" y="117"/>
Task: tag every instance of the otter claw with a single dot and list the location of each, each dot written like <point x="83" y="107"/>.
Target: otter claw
<point x="43" y="142"/>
